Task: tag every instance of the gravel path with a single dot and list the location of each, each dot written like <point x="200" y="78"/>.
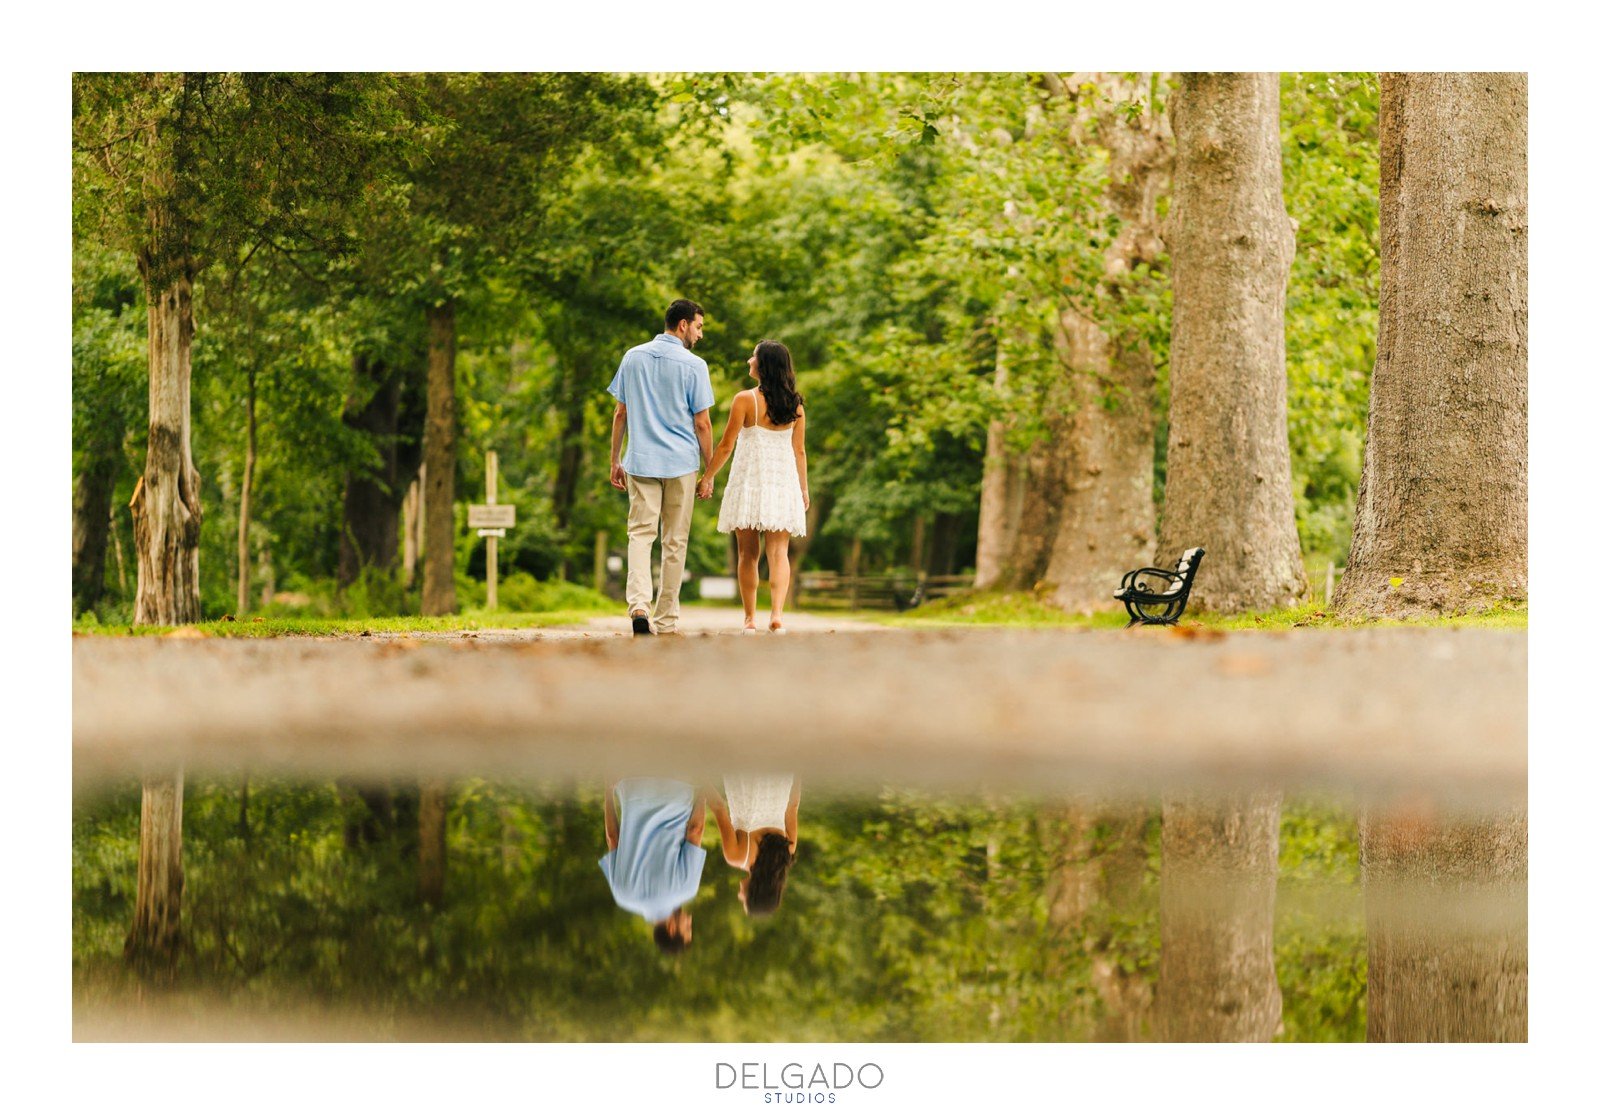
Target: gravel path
<point x="1389" y="710"/>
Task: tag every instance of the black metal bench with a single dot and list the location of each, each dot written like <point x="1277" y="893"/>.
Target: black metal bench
<point x="1166" y="603"/>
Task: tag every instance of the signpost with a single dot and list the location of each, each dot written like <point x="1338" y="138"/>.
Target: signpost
<point x="492" y="518"/>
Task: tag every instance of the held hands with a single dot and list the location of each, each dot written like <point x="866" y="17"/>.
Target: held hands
<point x="703" y="490"/>
<point x="619" y="479"/>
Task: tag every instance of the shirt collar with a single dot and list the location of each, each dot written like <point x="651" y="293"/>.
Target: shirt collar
<point x="670" y="337"/>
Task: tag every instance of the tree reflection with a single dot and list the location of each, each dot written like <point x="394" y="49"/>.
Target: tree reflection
<point x="1219" y="874"/>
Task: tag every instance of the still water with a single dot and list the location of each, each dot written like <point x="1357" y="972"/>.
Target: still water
<point x="753" y="907"/>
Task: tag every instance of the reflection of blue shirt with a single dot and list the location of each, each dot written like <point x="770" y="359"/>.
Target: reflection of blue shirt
<point x="653" y="869"/>
<point x="664" y="386"/>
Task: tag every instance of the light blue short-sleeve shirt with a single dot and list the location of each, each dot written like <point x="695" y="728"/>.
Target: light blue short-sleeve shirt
<point x="664" y="386"/>
<point x="653" y="869"/>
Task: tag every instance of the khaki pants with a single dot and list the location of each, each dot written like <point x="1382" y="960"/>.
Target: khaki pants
<point x="662" y="507"/>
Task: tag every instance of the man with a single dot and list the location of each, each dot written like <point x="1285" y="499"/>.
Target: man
<point x="654" y="858"/>
<point x="663" y="393"/>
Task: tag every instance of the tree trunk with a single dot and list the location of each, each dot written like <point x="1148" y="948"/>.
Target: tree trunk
<point x="91" y="525"/>
<point x="798" y="547"/>
<point x="1097" y="861"/>
<point x="439" y="458"/>
<point x="166" y="501"/>
<point x="1447" y="926"/>
<point x="1228" y="481"/>
<point x="1444" y="489"/>
<point x="1107" y="522"/>
<point x="411" y="530"/>
<point x="372" y="496"/>
<point x="432" y="811"/>
<point x="1000" y="501"/>
<point x="157" y="932"/>
<point x="1219" y="877"/>
<point x="245" y="491"/>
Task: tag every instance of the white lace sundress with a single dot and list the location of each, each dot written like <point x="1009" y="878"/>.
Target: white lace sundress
<point x="758" y="801"/>
<point x="763" y="483"/>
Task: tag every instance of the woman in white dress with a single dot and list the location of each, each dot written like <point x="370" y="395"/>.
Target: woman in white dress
<point x="767" y="490"/>
<point x="759" y="830"/>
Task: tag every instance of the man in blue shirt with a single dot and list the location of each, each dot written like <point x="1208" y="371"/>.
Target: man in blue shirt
<point x="663" y="393"/>
<point x="653" y="856"/>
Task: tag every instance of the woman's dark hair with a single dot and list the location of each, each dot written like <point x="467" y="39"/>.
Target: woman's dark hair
<point x="776" y="370"/>
<point x="768" y="873"/>
<point x="682" y="310"/>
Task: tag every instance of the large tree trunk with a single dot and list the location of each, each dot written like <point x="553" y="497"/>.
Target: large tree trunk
<point x="1108" y="516"/>
<point x="91" y="525"/>
<point x="166" y="501"/>
<point x="1219" y="878"/>
<point x="372" y="496"/>
<point x="1444" y="490"/>
<point x="157" y="934"/>
<point x="439" y="457"/>
<point x="1447" y="926"/>
<point x="1097" y="864"/>
<point x="246" y="490"/>
<point x="1228" y="480"/>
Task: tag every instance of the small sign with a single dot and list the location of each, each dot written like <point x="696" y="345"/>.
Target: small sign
<point x="491" y="532"/>
<point x="491" y="514"/>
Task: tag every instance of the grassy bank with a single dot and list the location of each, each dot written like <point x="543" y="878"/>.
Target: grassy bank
<point x="1020" y="609"/>
<point x="262" y="627"/>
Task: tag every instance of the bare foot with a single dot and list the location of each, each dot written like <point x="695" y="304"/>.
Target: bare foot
<point x="777" y="627"/>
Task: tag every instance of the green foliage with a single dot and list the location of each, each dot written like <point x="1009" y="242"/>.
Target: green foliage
<point x="908" y="917"/>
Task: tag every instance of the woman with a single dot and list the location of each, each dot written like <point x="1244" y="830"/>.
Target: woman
<point x="758" y="827"/>
<point x="767" y="491"/>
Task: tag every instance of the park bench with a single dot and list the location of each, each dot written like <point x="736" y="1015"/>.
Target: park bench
<point x="1142" y="601"/>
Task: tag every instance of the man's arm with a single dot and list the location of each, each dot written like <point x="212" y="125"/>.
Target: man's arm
<point x="619" y="423"/>
<point x="611" y="816"/>
<point x="702" y="432"/>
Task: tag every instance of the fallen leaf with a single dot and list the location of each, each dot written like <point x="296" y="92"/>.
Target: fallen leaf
<point x="227" y="619"/>
<point x="1396" y="582"/>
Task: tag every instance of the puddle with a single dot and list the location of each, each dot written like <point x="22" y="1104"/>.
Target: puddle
<point x="490" y="909"/>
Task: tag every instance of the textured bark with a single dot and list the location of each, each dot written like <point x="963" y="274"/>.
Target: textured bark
<point x="1219" y="878"/>
<point x="1444" y="488"/>
<point x="157" y="934"/>
<point x="166" y="501"/>
<point x="1098" y="862"/>
<point x="439" y="457"/>
<point x="1447" y="926"/>
<point x="411" y="530"/>
<point x="372" y="494"/>
<point x="245" y="491"/>
<point x="432" y="811"/>
<point x="1228" y="480"/>
<point x="1107" y="521"/>
<point x="91" y="526"/>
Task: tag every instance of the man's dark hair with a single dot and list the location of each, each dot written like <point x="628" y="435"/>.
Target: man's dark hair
<point x="668" y="941"/>
<point x="768" y="874"/>
<point x="682" y="310"/>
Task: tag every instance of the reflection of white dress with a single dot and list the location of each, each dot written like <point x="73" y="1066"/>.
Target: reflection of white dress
<point x="758" y="801"/>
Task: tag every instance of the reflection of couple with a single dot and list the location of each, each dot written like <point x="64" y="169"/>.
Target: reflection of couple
<point x="654" y="858"/>
<point x="664" y="399"/>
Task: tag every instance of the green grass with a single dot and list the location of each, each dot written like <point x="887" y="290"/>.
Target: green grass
<point x="1020" y="609"/>
<point x="277" y="627"/>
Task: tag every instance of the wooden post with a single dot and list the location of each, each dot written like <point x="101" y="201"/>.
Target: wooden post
<point x="410" y="531"/>
<point x="491" y="481"/>
<point x="600" y="540"/>
<point x="855" y="572"/>
<point x="1327" y="593"/>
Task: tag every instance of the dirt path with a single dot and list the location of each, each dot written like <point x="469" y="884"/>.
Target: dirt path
<point x="1391" y="709"/>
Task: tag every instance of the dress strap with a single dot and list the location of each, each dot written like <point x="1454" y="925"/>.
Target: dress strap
<point x="757" y="390"/>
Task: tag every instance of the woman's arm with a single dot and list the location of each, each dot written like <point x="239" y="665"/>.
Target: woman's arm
<point x="741" y="404"/>
<point x="719" y="813"/>
<point x="696" y="827"/>
<point x="791" y="816"/>
<point x="799" y="441"/>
